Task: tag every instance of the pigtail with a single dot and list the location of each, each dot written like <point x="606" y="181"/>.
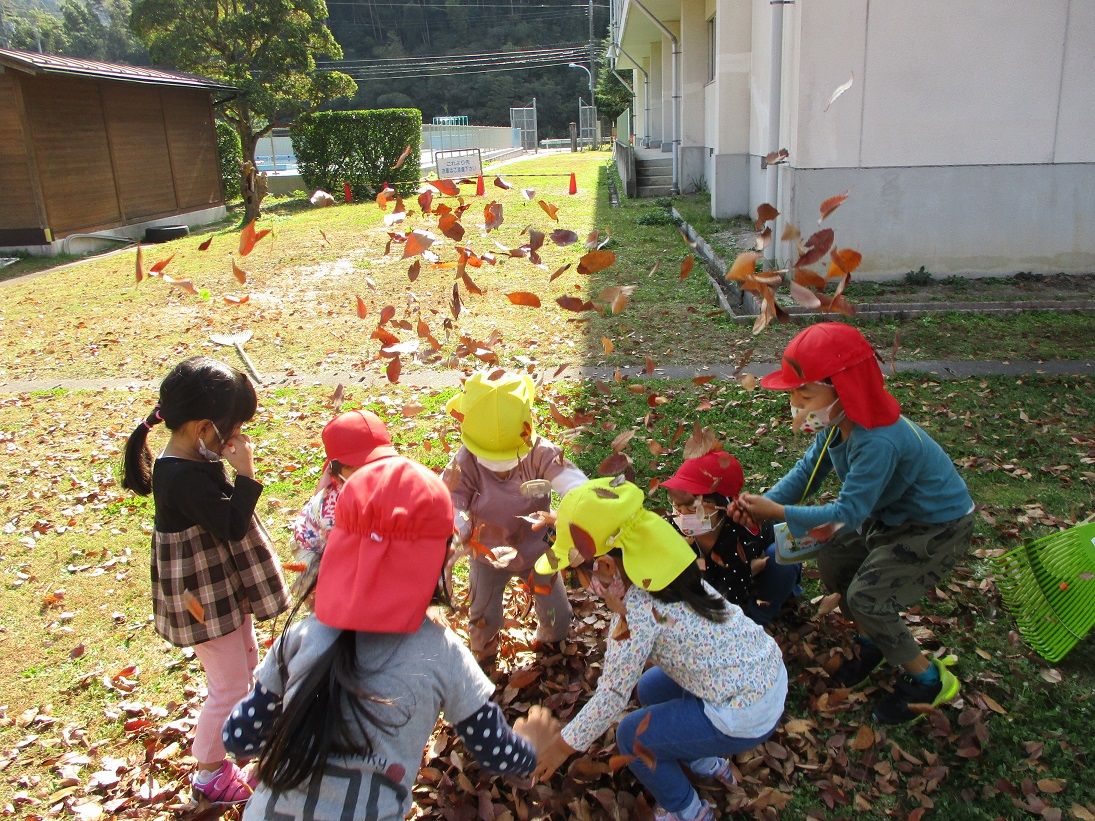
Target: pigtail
<point x="137" y="466"/>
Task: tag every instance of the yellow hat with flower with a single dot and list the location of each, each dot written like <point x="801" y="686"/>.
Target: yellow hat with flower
<point x="611" y="513"/>
<point x="495" y="415"/>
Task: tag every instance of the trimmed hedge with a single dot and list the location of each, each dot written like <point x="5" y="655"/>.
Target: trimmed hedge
<point x="230" y="155"/>
<point x="358" y="147"/>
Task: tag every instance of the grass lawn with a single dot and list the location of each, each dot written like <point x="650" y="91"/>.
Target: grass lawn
<point x="96" y="706"/>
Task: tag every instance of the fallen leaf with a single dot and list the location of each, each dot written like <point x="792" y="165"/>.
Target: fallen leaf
<point x="232" y="299"/>
<point x="864" y="738"/>
<point x="524" y="298"/>
<point x="607" y="344"/>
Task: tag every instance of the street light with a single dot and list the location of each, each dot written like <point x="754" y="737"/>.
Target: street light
<point x="587" y="71"/>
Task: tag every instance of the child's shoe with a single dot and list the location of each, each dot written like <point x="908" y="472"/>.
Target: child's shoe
<point x="898" y="706"/>
<point x="855" y="671"/>
<point x="707" y="813"/>
<point x="228" y="785"/>
<point x="722" y="774"/>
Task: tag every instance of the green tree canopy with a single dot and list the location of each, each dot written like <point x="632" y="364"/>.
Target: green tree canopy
<point x="265" y="48"/>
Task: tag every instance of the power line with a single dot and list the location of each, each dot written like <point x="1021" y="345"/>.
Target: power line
<point x="562" y="59"/>
<point x="470" y="57"/>
<point x="457" y="73"/>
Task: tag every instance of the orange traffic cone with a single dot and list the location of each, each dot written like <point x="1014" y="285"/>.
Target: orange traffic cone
<point x="479" y="186"/>
<point x="573" y="184"/>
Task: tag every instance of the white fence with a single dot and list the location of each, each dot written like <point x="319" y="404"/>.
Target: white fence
<point x="484" y="137"/>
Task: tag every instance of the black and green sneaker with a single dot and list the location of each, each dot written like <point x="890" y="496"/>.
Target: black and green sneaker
<point x="855" y="671"/>
<point x="912" y="699"/>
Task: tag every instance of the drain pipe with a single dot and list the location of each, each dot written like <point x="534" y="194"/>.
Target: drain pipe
<point x="775" y="92"/>
<point x="676" y="189"/>
<point x="646" y="94"/>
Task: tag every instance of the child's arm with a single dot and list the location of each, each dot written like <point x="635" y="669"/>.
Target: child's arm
<point x="494" y="744"/>
<point x="462" y="491"/>
<point x="790" y="488"/>
<point x="248" y="728"/>
<point x="204" y="502"/>
<point x="563" y="474"/>
<point x="869" y="471"/>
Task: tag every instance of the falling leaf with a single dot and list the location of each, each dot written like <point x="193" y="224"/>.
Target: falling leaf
<point x="446" y="187"/>
<point x="182" y="284"/>
<point x="140" y="263"/>
<point x="595" y="261"/>
<point x="524" y="298"/>
<point x="702" y="441"/>
<point x="765" y="213"/>
<point x="573" y="303"/>
<point x="454" y="303"/>
<point x="840" y="89"/>
<point x="450" y="226"/>
<point x="558" y="273"/>
<point x="607" y="344"/>
<point x="492" y="215"/>
<point x="831" y="204"/>
<point x="232" y="299"/>
<point x="193" y="606"/>
<point x="470" y="284"/>
<point x="249" y="237"/>
<point x="392" y="371"/>
<point x="809" y="278"/>
<point x="551" y="210"/>
<point x="745" y="265"/>
<point x="501" y="183"/>
<point x="648" y="368"/>
<point x="417" y="242"/>
<point x="205" y="245"/>
<point x="402" y="158"/>
<point x="804" y="296"/>
<point x="563" y="237"/>
<point x="362" y="308"/>
<point x="843" y="261"/>
<point x="686" y="267"/>
<point x="335" y="399"/>
<point x="240" y="274"/>
<point x="816" y="247"/>
<point x="583" y="542"/>
<point x="387" y="313"/>
<point x="790" y="233"/>
<point x="425" y="202"/>
<point x="159" y="266"/>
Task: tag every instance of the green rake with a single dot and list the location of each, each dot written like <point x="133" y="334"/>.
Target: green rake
<point x="1049" y="586"/>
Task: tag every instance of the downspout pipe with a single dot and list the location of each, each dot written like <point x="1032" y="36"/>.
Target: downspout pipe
<point x="630" y="91"/>
<point x="646" y="94"/>
<point x="775" y="93"/>
<point x="676" y="189"/>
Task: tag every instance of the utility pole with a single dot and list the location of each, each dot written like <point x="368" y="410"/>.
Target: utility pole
<point x="592" y="59"/>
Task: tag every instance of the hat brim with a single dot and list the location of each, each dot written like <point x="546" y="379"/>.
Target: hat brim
<point x="495" y="455"/>
<point x="785" y="379"/>
<point x="680" y="483"/>
<point x="364" y="457"/>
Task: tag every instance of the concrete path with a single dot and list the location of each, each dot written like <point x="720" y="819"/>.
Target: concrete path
<point x="940" y="369"/>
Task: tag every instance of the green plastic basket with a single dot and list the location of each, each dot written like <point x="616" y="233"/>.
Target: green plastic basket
<point x="1049" y="586"/>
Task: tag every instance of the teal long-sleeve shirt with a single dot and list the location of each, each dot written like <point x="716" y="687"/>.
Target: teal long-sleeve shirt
<point x="896" y="473"/>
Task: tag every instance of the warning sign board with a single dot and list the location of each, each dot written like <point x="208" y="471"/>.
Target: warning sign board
<point x="457" y="163"/>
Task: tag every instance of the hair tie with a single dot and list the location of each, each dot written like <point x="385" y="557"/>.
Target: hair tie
<point x="153" y="419"/>
<point x="156" y="413"/>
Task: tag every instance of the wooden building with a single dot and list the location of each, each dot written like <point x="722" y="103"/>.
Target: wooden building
<point x="90" y="147"/>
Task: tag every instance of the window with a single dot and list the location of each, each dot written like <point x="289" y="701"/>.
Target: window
<point x="711" y="49"/>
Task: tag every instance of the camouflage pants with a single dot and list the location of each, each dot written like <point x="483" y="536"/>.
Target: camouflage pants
<point x="884" y="570"/>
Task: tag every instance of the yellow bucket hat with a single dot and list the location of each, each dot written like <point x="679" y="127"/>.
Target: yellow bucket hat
<point x="612" y="513"/>
<point x="495" y="415"/>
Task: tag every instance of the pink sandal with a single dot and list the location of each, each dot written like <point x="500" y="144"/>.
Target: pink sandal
<point x="229" y="785"/>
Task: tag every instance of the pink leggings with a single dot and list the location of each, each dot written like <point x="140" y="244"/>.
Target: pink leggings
<point x="229" y="662"/>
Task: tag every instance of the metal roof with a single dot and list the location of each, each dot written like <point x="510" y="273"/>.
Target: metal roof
<point x="34" y="63"/>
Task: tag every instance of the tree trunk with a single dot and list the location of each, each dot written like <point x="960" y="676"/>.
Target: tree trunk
<point x="252" y="182"/>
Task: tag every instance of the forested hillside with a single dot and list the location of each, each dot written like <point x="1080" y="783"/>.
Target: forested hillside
<point x="381" y="29"/>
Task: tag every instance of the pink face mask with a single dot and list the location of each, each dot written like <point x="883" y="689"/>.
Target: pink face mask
<point x="597" y="586"/>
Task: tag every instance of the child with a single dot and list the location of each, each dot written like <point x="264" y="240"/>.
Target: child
<point x="346" y="699"/>
<point x="350" y="440"/>
<point x="717" y="681"/>
<point x="503" y="474"/>
<point x="213" y="568"/>
<point x="902" y="519"/>
<point x="739" y="564"/>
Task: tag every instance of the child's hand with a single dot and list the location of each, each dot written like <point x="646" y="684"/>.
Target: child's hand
<point x="541" y="519"/>
<point x="239" y="452"/>
<point x="738" y="514"/>
<point x="760" y="508"/>
<point x="539" y="728"/>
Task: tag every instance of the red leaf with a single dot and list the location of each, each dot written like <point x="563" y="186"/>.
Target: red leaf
<point x="583" y="542"/>
<point x="386" y="314"/>
<point x="140" y="263"/>
<point x="560" y="272"/>
<point x="501" y="183"/>
<point x="451" y="227"/>
<point x="831" y="204"/>
<point x="573" y="303"/>
<point x="414" y="270"/>
<point x="205" y="245"/>
<point x="563" y="237"/>
<point x="362" y="308"/>
<point x="492" y="215"/>
<point x="551" y="210"/>
<point x="744" y="266"/>
<point x="232" y="299"/>
<point x="393" y="369"/>
<point x="159" y="266"/>
<point x="470" y="285"/>
<point x="524" y="298"/>
<point x="249" y="237"/>
<point x="447" y="187"/>
<point x="417" y="242"/>
<point x="425" y="201"/>
<point x="240" y="274"/>
<point x="454" y="305"/>
<point x="595" y="261"/>
<point x="843" y="261"/>
<point x="765" y="213"/>
<point x="686" y="267"/>
<point x="817" y="246"/>
<point x="809" y="278"/>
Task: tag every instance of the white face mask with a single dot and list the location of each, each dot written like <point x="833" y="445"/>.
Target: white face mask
<point x="814" y="420"/>
<point x="694" y="523"/>
<point x="204" y="450"/>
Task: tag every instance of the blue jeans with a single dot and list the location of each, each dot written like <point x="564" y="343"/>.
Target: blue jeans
<point x="774" y="585"/>
<point x="679" y="731"/>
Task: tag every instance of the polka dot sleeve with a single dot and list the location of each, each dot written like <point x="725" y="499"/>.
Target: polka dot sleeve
<point x="248" y="727"/>
<point x="494" y="744"/>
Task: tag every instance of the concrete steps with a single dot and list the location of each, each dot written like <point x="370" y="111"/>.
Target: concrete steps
<point x="654" y="177"/>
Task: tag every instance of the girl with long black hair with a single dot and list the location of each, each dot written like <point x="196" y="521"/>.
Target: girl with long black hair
<point x="347" y="698"/>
